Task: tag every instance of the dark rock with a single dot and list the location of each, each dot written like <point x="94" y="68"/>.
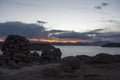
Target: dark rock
<point x="2" y="59"/>
<point x="15" y="43"/>
<point x="45" y="56"/>
<point x="16" y="50"/>
<point x="35" y="56"/>
<point x="102" y="58"/>
<point x="83" y="57"/>
<point x="70" y="64"/>
<point x="49" y="56"/>
<point x="56" y="54"/>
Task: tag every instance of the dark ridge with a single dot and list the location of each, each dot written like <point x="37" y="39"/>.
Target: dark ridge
<point x="41" y="46"/>
<point x="37" y="46"/>
<point x="111" y="45"/>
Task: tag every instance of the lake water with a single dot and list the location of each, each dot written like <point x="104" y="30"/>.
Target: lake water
<point x="85" y="50"/>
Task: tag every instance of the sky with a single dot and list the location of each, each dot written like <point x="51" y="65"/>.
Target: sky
<point x="68" y="17"/>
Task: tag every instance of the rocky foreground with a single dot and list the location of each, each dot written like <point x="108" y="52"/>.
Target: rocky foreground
<point x="18" y="63"/>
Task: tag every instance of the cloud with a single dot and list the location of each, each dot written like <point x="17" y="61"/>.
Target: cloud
<point x="98" y="7"/>
<point x="101" y="6"/>
<point x="72" y="35"/>
<point x="57" y="31"/>
<point x="105" y="4"/>
<point x="111" y="21"/>
<point x="27" y="30"/>
<point x="37" y="31"/>
<point x="94" y="35"/>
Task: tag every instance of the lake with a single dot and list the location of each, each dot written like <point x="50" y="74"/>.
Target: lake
<point x="85" y="50"/>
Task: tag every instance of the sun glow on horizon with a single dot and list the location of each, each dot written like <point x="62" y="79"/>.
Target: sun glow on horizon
<point x="60" y="40"/>
<point x="55" y="40"/>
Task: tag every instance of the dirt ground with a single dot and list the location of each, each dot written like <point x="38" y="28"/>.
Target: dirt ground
<point x="86" y="72"/>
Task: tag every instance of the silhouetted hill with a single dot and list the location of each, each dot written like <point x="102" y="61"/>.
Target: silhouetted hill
<point x="37" y="46"/>
<point x="96" y="43"/>
<point x="41" y="46"/>
<point x="111" y="45"/>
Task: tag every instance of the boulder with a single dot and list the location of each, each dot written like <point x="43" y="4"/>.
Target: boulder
<point x="70" y="64"/>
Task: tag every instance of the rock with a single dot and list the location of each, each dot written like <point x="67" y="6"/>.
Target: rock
<point x="35" y="56"/>
<point x="2" y="60"/>
<point x="45" y="56"/>
<point x="51" y="56"/>
<point x="56" y="54"/>
<point x="83" y="57"/>
<point x="16" y="51"/>
<point x="14" y="44"/>
<point x="70" y="64"/>
<point x="102" y="58"/>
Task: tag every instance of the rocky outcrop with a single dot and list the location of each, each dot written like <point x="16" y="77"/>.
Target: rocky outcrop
<point x="70" y="64"/>
<point x="102" y="58"/>
<point x="83" y="58"/>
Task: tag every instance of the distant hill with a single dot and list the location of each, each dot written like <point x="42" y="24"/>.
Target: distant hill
<point x="111" y="45"/>
<point x="37" y="46"/>
<point x="41" y="46"/>
<point x="96" y="43"/>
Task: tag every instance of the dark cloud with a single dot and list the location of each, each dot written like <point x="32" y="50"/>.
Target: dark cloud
<point x="37" y="31"/>
<point x="95" y="31"/>
<point x="57" y="31"/>
<point x="95" y="35"/>
<point x="27" y="30"/>
<point x="72" y="35"/>
<point x="111" y="21"/>
<point x="102" y="5"/>
<point x="98" y="7"/>
<point x="41" y="22"/>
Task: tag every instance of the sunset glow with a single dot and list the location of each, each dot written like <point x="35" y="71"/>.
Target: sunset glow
<point x="60" y="40"/>
<point x="55" y="40"/>
<point x="1" y="40"/>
